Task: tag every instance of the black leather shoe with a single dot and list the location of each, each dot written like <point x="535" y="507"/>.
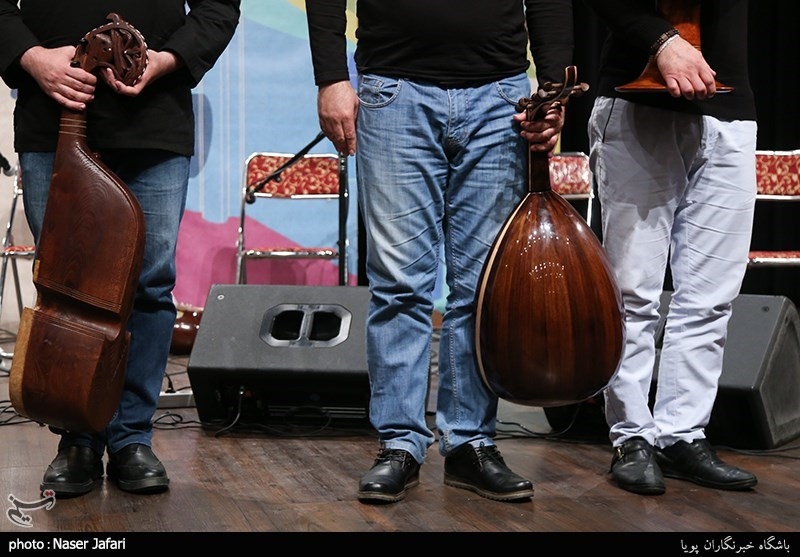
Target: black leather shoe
<point x="393" y="471"/>
<point x="136" y="469"/>
<point x="635" y="469"/>
<point x="73" y="472"/>
<point x="484" y="471"/>
<point x="697" y="462"/>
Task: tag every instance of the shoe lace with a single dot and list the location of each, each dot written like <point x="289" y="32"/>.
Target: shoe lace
<point x="708" y="452"/>
<point x="484" y="453"/>
<point x="386" y="455"/>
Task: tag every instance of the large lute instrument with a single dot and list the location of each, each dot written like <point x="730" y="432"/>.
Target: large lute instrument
<point x="71" y="354"/>
<point x="550" y="321"/>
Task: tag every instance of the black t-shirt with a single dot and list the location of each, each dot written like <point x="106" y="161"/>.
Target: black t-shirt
<point x="446" y="42"/>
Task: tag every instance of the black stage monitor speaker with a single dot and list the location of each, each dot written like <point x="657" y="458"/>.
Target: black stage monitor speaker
<point x="758" y="402"/>
<point x="268" y="353"/>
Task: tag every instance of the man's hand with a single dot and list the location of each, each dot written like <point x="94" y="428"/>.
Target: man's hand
<point x="337" y="106"/>
<point x="542" y="134"/>
<point x="158" y="64"/>
<point x="685" y="71"/>
<point x="71" y="87"/>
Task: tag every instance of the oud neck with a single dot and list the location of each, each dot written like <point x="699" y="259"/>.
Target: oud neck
<point x="538" y="172"/>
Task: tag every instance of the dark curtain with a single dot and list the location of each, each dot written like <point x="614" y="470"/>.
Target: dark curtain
<point x="774" y="69"/>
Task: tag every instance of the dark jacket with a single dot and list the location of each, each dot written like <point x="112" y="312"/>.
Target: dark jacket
<point x="162" y="116"/>
<point x="635" y="26"/>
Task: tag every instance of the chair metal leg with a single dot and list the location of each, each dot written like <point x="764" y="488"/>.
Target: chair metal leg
<point x="11" y="252"/>
<point x="6" y="356"/>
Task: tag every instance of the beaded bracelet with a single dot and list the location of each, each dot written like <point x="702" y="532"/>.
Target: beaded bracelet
<point x="658" y="46"/>
<point x="663" y="46"/>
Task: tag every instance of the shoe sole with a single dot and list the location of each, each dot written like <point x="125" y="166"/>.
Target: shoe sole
<point x="643" y="489"/>
<point x="743" y="485"/>
<point x="145" y="486"/>
<point x="375" y="496"/>
<point x="493" y="495"/>
<point x="64" y="491"/>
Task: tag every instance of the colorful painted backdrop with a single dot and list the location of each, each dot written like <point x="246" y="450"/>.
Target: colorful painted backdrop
<point x="260" y="96"/>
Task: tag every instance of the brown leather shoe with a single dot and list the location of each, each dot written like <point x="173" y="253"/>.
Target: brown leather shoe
<point x="73" y="472"/>
<point x="136" y="469"/>
<point x="483" y="470"/>
<point x="393" y="471"/>
<point x="697" y="462"/>
<point x="635" y="469"/>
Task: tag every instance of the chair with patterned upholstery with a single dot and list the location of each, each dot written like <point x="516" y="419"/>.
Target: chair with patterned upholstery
<point x="287" y="178"/>
<point x="571" y="177"/>
<point x="11" y="252"/>
<point x="778" y="176"/>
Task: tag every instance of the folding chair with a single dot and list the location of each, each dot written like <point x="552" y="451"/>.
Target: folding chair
<point x="11" y="252"/>
<point x="778" y="176"/>
<point x="287" y="178"/>
<point x="571" y="178"/>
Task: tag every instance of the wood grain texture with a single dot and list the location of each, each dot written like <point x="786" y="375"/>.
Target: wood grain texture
<point x="550" y="322"/>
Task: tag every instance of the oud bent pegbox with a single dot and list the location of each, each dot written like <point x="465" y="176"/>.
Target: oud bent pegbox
<point x="550" y="322"/>
<point x="71" y="354"/>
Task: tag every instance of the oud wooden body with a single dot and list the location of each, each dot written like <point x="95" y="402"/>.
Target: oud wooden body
<point x="71" y="352"/>
<point x="550" y="322"/>
<point x="184" y="332"/>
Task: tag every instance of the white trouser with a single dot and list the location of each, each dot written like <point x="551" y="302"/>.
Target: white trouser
<point x="677" y="188"/>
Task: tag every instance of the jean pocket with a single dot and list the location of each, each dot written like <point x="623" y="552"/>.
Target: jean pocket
<point x="375" y="91"/>
<point x="512" y="89"/>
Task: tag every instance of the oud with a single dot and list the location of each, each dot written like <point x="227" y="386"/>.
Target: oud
<point x="550" y="321"/>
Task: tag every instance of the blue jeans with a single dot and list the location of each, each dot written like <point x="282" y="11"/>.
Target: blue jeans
<point x="434" y="167"/>
<point x="159" y="180"/>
